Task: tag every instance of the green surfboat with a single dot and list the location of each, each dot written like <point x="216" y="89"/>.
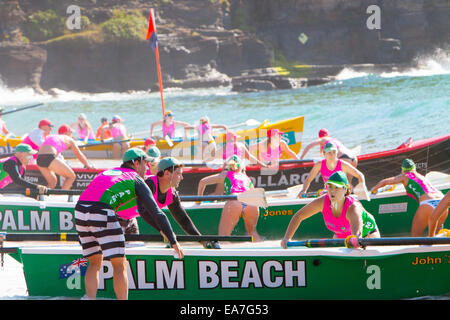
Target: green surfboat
<point x="244" y="271"/>
<point x="393" y="211"/>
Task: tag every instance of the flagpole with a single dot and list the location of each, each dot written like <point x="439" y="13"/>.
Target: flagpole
<point x="160" y="80"/>
<point x="152" y="28"/>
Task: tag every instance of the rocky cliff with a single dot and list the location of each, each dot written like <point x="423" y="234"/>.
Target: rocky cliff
<point x="252" y="44"/>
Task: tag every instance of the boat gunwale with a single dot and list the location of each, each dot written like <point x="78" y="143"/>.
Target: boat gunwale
<point x="254" y="251"/>
<point x="272" y="201"/>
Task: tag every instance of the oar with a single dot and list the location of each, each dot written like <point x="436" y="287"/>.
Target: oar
<point x="254" y="197"/>
<point x="128" y="237"/>
<point x="87" y="145"/>
<point x="437" y="177"/>
<point x="29" y="192"/>
<point x="364" y="242"/>
<point x="5" y="155"/>
<point x="291" y="161"/>
<point x="20" y="109"/>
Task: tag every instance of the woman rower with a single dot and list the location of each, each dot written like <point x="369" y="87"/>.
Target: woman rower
<point x="235" y="181"/>
<point x="324" y="137"/>
<point x="273" y="148"/>
<point x="232" y="147"/>
<point x="119" y="135"/>
<point x="168" y="125"/>
<point x="330" y="165"/>
<point x="83" y="128"/>
<point x="421" y="190"/>
<point x="343" y="214"/>
<point x="207" y="144"/>
<point x="439" y="213"/>
<point x="50" y="162"/>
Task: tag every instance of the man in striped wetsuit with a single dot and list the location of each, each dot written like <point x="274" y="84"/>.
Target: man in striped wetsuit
<point x="116" y="193"/>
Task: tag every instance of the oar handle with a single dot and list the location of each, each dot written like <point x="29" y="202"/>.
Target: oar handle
<point x="128" y="237"/>
<point x="364" y="242"/>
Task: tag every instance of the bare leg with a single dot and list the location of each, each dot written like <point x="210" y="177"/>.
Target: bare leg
<point x="420" y="221"/>
<point x="59" y="167"/>
<point x="49" y="176"/>
<point x="91" y="279"/>
<point x="120" y="279"/>
<point x="251" y="215"/>
<point x="230" y="216"/>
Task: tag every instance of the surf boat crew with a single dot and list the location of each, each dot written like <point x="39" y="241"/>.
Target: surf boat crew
<point x="343" y="214"/>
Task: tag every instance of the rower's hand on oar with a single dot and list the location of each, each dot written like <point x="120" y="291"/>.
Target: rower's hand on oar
<point x="89" y="166"/>
<point x="301" y="194"/>
<point x="284" y="242"/>
<point x="352" y="242"/>
<point x="179" y="253"/>
<point x="42" y="189"/>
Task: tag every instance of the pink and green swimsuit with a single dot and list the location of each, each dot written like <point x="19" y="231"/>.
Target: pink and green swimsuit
<point x="341" y="226"/>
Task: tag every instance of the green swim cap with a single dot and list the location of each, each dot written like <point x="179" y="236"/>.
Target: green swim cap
<point x="408" y="165"/>
<point x="330" y="146"/>
<point x="338" y="179"/>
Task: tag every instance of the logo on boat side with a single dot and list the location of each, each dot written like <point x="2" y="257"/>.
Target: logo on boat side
<point x="73" y="272"/>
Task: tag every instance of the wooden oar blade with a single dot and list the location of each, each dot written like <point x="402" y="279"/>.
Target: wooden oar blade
<point x="292" y="192"/>
<point x="437" y="177"/>
<point x="361" y="191"/>
<point x="254" y="197"/>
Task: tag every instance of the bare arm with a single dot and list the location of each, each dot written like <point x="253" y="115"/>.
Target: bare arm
<point x="213" y="179"/>
<point x="181" y="123"/>
<point x="309" y="146"/>
<point x="392" y="180"/>
<point x="348" y="168"/>
<point x="80" y="156"/>
<point x="354" y="217"/>
<point x="154" y="124"/>
<point x="312" y="174"/>
<point x="252" y="158"/>
<point x="285" y="148"/>
<point x="307" y="211"/>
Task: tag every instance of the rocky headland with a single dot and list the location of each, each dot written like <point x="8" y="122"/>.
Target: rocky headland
<point x="250" y="45"/>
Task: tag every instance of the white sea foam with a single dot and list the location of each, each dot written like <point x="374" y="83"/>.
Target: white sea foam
<point x="27" y="95"/>
<point x="429" y="65"/>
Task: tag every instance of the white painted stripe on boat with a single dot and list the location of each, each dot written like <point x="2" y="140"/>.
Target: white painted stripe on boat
<point x="256" y="251"/>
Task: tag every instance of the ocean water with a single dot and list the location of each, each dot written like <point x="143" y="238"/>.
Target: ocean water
<point x="376" y="111"/>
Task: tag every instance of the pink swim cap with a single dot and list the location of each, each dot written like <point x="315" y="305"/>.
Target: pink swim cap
<point x="323" y="132"/>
